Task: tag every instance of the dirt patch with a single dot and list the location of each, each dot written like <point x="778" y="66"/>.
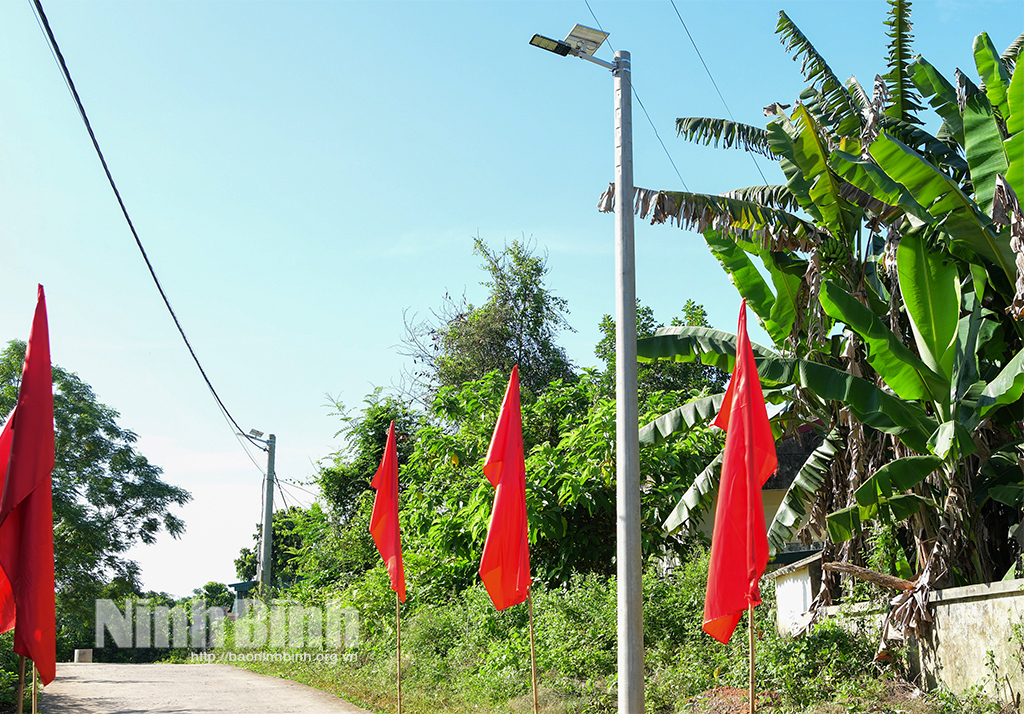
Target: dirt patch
<point x="730" y="700"/>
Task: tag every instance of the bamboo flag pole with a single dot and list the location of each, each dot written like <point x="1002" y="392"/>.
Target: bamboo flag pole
<point x="398" y="637"/>
<point x="35" y="687"/>
<point x="533" y="652"/>
<point x="750" y="623"/>
<point x="20" y="685"/>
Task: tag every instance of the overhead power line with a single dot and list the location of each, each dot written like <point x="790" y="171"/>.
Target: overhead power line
<point x="59" y="57"/>
<point x="713" y="82"/>
<point x="642" y="107"/>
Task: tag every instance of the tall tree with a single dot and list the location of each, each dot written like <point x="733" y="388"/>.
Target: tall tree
<point x="106" y="495"/>
<point x="518" y="324"/>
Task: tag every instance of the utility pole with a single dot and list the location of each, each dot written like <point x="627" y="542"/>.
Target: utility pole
<point x="582" y="42"/>
<point x="268" y="517"/>
<point x="628" y="549"/>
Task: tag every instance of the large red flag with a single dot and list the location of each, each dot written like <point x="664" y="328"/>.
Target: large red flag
<point x="739" y="546"/>
<point x="384" y="520"/>
<point x="26" y="508"/>
<point x="505" y="566"/>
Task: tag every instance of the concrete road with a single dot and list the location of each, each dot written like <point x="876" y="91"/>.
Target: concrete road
<point x="178" y="688"/>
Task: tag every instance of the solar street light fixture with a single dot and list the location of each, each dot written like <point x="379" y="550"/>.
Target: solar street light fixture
<point x="583" y="42"/>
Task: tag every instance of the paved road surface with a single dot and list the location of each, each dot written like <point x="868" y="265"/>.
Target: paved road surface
<point x="178" y="689"/>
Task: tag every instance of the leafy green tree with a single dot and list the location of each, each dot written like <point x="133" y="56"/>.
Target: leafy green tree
<point x="215" y="595"/>
<point x="348" y="472"/>
<point x="285" y="548"/>
<point x="106" y="495"/>
<point x="660" y="376"/>
<point x="908" y="243"/>
<point x="518" y="324"/>
<point x="568" y="435"/>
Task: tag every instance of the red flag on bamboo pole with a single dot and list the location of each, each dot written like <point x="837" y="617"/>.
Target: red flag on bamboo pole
<point x="26" y="508"/>
<point x="739" y="545"/>
<point x="384" y="519"/>
<point x="505" y="566"/>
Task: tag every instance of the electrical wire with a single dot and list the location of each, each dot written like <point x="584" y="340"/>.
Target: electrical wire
<point x="714" y="83"/>
<point x="295" y="485"/>
<point x="66" y="73"/>
<point x="642" y="107"/>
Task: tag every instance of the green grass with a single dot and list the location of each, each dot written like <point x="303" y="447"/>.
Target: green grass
<point x="462" y="656"/>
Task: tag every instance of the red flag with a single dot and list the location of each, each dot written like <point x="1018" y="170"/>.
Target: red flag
<point x="739" y="546"/>
<point x="505" y="566"/>
<point x="26" y="508"/>
<point x="384" y="520"/>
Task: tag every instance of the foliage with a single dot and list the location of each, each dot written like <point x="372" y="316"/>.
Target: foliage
<point x="285" y="548"/>
<point x="659" y="377"/>
<point x="349" y="471"/>
<point x="570" y="495"/>
<point x="106" y="495"/>
<point x="215" y="595"/>
<point x="518" y="324"/>
<point x="460" y="655"/>
<point x="907" y="248"/>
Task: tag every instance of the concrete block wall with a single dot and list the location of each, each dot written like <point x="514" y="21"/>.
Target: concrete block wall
<point x="969" y="623"/>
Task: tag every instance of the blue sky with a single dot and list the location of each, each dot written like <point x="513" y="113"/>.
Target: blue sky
<point x="303" y="173"/>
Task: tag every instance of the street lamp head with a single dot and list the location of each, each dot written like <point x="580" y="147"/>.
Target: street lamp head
<point x="581" y="42"/>
<point x="254" y="432"/>
<point x="546" y="43"/>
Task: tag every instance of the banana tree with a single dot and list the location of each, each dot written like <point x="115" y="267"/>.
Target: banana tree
<point x="892" y="284"/>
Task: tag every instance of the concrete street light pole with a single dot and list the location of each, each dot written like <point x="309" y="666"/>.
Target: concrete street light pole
<point x="627" y="440"/>
<point x="266" y="550"/>
<point x="582" y="42"/>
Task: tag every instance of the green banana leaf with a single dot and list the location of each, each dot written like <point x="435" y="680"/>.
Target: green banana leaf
<point x="870" y="179"/>
<point x="899" y="367"/>
<point x="966" y="374"/>
<point x="801" y="492"/>
<point x="681" y="419"/>
<point x="688" y="343"/>
<point x="698" y="497"/>
<point x="1015" y="102"/>
<point x="810" y="153"/>
<point x="782" y="136"/>
<point x="873" y="406"/>
<point x="940" y="94"/>
<point x="904" y="99"/>
<point x="787" y="273"/>
<point x="949" y="436"/>
<point x="962" y="219"/>
<point x="1006" y="388"/>
<point x="931" y="292"/>
<point x="896" y="476"/>
<point x="992" y="73"/>
<point x="877" y="496"/>
<point x="751" y="285"/>
<point x="920" y="140"/>
<point x="1014" y="146"/>
<point x="712" y="132"/>
<point x="986" y="154"/>
<point x="747" y="279"/>
<point x="835" y="104"/>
